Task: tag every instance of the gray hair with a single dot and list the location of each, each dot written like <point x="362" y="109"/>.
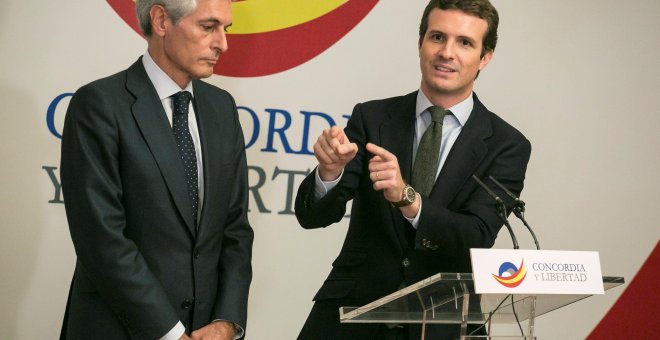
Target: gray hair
<point x="175" y="9"/>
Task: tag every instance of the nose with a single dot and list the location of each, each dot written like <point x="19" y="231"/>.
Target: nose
<point x="446" y="50"/>
<point x="219" y="42"/>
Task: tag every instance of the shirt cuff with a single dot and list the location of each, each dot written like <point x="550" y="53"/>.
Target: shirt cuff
<point x="322" y="187"/>
<point x="415" y="220"/>
<point x="175" y="333"/>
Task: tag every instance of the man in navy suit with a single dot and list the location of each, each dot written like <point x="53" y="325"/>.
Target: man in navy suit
<point x="397" y="236"/>
<point x="160" y="231"/>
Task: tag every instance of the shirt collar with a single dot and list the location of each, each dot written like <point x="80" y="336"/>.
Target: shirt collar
<point x="461" y="110"/>
<point x="165" y="86"/>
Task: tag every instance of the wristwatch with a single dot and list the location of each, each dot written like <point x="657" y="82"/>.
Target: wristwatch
<point x="408" y="197"/>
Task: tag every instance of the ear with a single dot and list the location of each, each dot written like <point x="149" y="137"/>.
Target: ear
<point x="159" y="20"/>
<point x="485" y="59"/>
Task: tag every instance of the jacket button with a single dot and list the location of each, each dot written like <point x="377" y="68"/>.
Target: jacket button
<point x="196" y="254"/>
<point x="406" y="262"/>
<point x="186" y="304"/>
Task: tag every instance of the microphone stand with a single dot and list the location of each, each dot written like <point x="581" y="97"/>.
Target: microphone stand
<point x="501" y="210"/>
<point x="518" y="209"/>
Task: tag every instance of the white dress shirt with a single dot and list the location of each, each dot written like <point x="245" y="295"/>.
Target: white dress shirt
<point x="166" y="87"/>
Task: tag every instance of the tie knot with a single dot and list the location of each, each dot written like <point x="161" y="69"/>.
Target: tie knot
<point x="181" y="101"/>
<point x="437" y="114"/>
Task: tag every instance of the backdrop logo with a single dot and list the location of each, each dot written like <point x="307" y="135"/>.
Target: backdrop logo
<point x="510" y="276"/>
<point x="271" y="36"/>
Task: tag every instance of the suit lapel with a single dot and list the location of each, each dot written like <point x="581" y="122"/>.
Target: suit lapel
<point x="152" y="122"/>
<point x="396" y="136"/>
<point x="215" y="121"/>
<point x="398" y="132"/>
<point x="465" y="155"/>
<point x="209" y="132"/>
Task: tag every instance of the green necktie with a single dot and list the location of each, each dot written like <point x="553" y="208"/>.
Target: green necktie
<point x="428" y="153"/>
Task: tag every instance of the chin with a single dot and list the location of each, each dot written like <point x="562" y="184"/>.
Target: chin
<point x="203" y="74"/>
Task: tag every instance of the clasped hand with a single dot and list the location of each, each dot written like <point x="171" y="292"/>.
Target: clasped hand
<point x="217" y="330"/>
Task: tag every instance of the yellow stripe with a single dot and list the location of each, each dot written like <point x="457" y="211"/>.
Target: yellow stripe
<point x="255" y="16"/>
<point x="513" y="279"/>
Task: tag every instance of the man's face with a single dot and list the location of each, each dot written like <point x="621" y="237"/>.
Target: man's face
<point x="450" y="55"/>
<point x="192" y="47"/>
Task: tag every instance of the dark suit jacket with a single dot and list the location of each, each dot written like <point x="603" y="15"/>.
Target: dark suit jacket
<point x="142" y="262"/>
<point x="376" y="257"/>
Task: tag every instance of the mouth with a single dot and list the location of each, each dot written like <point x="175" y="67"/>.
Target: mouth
<point x="443" y="68"/>
<point x="211" y="61"/>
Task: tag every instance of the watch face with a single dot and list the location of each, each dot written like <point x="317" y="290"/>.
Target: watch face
<point x="409" y="194"/>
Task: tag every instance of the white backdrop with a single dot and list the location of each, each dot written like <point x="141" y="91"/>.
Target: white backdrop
<point x="578" y="78"/>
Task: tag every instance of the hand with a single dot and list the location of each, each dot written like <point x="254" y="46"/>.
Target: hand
<point x="385" y="173"/>
<point x="184" y="337"/>
<point x="333" y="150"/>
<point x="217" y="330"/>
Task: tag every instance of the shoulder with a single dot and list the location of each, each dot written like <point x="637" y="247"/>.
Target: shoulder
<point x="112" y="89"/>
<point x="203" y="88"/>
<point x="99" y="94"/>
<point x="379" y="104"/>
<point x="379" y="109"/>
<point x="133" y="76"/>
<point x="214" y="100"/>
<point x="500" y="127"/>
<point x="115" y="82"/>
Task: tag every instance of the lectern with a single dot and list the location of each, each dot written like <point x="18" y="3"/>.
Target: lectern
<point x="450" y="298"/>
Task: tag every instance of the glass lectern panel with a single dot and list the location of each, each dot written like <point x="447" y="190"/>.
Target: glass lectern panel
<point x="450" y="298"/>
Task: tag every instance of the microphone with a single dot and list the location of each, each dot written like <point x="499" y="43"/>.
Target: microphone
<point x="501" y="209"/>
<point x="518" y="209"/>
<point x="518" y="204"/>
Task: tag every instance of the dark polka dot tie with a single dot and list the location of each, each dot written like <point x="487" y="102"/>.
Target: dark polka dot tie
<point x="184" y="141"/>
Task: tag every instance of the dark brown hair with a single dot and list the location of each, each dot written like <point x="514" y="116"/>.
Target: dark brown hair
<point x="480" y="8"/>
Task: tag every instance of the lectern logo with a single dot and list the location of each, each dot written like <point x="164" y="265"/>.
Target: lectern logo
<point x="271" y="36"/>
<point x="510" y="276"/>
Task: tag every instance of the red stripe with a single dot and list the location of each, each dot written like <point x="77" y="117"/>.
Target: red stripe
<point x="635" y="314"/>
<point x="259" y="54"/>
<point x="126" y="10"/>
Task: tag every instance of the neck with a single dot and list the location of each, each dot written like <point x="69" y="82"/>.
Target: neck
<point x="157" y="54"/>
<point x="445" y="100"/>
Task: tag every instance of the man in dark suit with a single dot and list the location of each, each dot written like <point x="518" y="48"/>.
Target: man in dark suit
<point x="155" y="178"/>
<point x="397" y="236"/>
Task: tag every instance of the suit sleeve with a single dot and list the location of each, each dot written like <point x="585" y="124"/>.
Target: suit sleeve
<point x="331" y="208"/>
<point x="92" y="185"/>
<point x="235" y="269"/>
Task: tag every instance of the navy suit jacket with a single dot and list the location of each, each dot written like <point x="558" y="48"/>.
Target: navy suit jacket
<point x="376" y="257"/>
<point x="142" y="262"/>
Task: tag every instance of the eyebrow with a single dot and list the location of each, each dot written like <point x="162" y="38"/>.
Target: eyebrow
<point x="214" y="21"/>
<point x="210" y="20"/>
<point x="471" y="39"/>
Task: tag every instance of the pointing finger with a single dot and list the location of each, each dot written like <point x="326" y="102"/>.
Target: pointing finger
<point x="385" y="155"/>
<point x="346" y="149"/>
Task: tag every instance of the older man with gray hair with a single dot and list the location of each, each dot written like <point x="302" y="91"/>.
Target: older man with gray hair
<point x="155" y="177"/>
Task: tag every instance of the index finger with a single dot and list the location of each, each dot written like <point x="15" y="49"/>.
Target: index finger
<point x="346" y="149"/>
<point x="336" y="133"/>
<point x="385" y="155"/>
